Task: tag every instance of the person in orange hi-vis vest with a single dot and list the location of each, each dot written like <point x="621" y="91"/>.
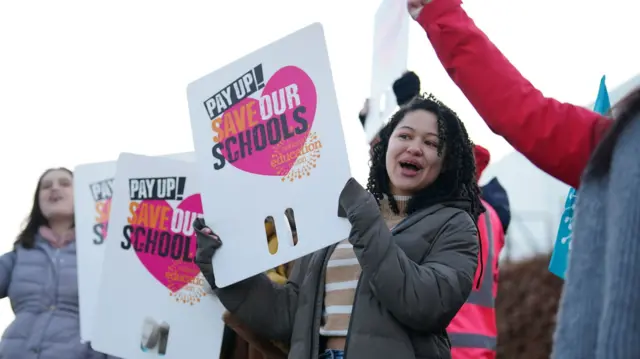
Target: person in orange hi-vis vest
<point x="473" y="332"/>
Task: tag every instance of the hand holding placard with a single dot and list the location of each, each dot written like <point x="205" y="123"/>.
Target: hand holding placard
<point x="207" y="244"/>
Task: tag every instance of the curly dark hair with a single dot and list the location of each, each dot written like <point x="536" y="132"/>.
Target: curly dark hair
<point x="457" y="180"/>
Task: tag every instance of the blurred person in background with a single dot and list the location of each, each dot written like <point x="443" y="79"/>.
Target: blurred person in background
<point x="405" y="88"/>
<point x="599" y="314"/>
<point x="494" y="194"/>
<point x="39" y="277"/>
<point x="473" y="331"/>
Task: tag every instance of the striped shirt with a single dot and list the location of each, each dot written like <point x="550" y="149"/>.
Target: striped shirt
<point x="343" y="272"/>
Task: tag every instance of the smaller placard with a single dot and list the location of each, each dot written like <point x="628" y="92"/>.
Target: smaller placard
<point x="93" y="189"/>
<point x="153" y="299"/>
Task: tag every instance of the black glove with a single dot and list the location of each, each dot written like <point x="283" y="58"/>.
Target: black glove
<point x="206" y="245"/>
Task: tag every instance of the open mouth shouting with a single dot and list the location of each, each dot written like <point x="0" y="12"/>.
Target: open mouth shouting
<point x="410" y="168"/>
<point x="55" y="198"/>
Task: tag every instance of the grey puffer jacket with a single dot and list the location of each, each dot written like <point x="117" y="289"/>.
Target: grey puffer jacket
<point x="42" y="285"/>
<point x="414" y="280"/>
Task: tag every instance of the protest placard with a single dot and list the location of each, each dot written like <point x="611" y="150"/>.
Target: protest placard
<point x="269" y="141"/>
<point x="93" y="190"/>
<point x="153" y="299"/>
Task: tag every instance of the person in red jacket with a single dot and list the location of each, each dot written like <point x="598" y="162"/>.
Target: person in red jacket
<point x="557" y="137"/>
<point x="597" y="316"/>
<point x="473" y="330"/>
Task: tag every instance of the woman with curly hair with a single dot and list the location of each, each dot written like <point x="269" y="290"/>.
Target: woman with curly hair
<point x="393" y="286"/>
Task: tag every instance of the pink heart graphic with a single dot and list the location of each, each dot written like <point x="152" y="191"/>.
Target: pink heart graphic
<point x="269" y="156"/>
<point x="170" y="261"/>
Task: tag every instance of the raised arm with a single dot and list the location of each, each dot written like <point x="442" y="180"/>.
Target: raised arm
<point x="557" y="137"/>
<point x="423" y="296"/>
<point x="7" y="261"/>
<point x="267" y="308"/>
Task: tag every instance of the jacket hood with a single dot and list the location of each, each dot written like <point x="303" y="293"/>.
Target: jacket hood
<point x="482" y="159"/>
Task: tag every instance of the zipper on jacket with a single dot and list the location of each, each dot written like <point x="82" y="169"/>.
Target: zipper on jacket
<point x="56" y="280"/>
<point x="353" y="312"/>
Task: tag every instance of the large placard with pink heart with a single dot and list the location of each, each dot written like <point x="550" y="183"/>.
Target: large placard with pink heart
<point x="153" y="299"/>
<point x="270" y="149"/>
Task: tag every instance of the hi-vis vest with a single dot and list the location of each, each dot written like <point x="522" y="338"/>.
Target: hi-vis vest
<point x="473" y="331"/>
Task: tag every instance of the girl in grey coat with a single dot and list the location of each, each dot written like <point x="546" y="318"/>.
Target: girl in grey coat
<point x="393" y="286"/>
<point x="39" y="277"/>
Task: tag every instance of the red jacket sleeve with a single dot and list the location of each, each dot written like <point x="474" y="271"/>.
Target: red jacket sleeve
<point x="557" y="137"/>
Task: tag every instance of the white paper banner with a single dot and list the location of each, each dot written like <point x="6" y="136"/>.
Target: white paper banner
<point x="390" y="54"/>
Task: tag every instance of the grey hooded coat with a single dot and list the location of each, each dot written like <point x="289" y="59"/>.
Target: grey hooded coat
<point x="414" y="280"/>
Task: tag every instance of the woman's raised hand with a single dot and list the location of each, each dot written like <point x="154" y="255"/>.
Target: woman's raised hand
<point x="415" y="7"/>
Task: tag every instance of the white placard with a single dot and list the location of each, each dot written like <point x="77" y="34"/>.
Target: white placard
<point x="150" y="284"/>
<point x="390" y="55"/>
<point x="268" y="137"/>
<point x="93" y="189"/>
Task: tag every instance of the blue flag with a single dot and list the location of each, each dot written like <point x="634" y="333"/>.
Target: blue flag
<point x="560" y="256"/>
